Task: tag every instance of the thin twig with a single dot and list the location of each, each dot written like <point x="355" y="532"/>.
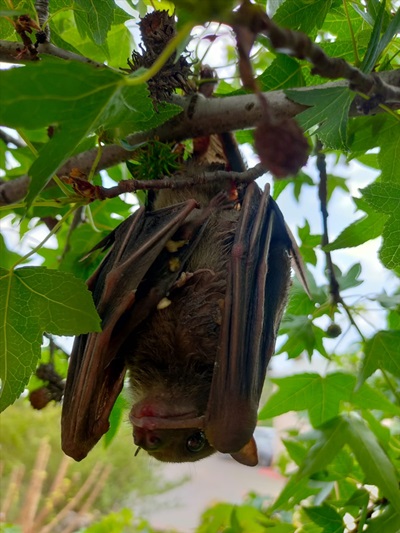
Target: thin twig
<point x="204" y="178"/>
<point x="334" y="288"/>
<point x="323" y="199"/>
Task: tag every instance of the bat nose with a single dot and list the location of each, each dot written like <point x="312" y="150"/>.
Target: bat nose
<point x="146" y="439"/>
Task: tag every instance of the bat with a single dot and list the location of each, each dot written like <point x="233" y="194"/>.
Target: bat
<point x="190" y="295"/>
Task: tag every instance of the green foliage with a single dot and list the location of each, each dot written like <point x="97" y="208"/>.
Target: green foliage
<point x="87" y="100"/>
<point x="385" y="198"/>
<point x="59" y="108"/>
<point x="55" y="302"/>
<point x="119" y="523"/>
<point x="329" y="108"/>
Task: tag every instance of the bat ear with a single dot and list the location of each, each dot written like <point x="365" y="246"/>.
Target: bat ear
<point x="248" y="454"/>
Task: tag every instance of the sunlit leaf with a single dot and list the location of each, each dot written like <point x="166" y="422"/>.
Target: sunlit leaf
<point x="327" y="447"/>
<point x="381" y="352"/>
<point x="326" y="517"/>
<point x="375" y="464"/>
<point x="321" y="396"/>
<point x="34" y="300"/>
<point x="302" y="15"/>
<point x="84" y="100"/>
<point x="385" y="198"/>
<point x="329" y="110"/>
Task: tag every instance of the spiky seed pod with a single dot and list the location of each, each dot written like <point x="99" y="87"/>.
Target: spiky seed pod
<point x="157" y="29"/>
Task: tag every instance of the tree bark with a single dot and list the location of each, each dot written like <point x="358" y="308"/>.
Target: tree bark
<point x="199" y="117"/>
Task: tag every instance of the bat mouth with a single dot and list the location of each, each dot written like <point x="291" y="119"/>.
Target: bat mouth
<point x="180" y="421"/>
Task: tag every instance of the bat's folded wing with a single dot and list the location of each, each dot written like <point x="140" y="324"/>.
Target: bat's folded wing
<point x="132" y="279"/>
<point x="257" y="287"/>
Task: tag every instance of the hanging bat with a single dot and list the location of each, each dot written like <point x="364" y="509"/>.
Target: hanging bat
<point x="191" y="295"/>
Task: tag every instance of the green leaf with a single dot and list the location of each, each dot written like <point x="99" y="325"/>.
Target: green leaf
<point x="94" y="18"/>
<point x="283" y="73"/>
<point x="377" y="45"/>
<point x="309" y="243"/>
<point x="389" y="154"/>
<point x="300" y="303"/>
<point x="387" y="522"/>
<point x="335" y="182"/>
<point x="329" y="108"/>
<point x="303" y="334"/>
<point x="116" y="522"/>
<point x="376" y="465"/>
<point x="326" y="517"/>
<point x="296" y="450"/>
<point x="366" y="133"/>
<point x="321" y="396"/>
<point x="7" y="257"/>
<point x="381" y="432"/>
<point x="301" y="179"/>
<point x="329" y="444"/>
<point x="359" y="498"/>
<point x="302" y="15"/>
<point x="338" y="20"/>
<point x="342" y="48"/>
<point x="152" y="119"/>
<point x="373" y="50"/>
<point x="350" y="278"/>
<point x="87" y="99"/>
<point x="367" y="397"/>
<point x="381" y="352"/>
<point x="216" y="518"/>
<point x="384" y="197"/>
<point x="293" y="493"/>
<point x="34" y="300"/>
<point x="362" y="230"/>
<point x="115" y="419"/>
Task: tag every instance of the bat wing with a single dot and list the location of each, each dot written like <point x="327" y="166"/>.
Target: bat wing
<point x="257" y="286"/>
<point x="132" y="279"/>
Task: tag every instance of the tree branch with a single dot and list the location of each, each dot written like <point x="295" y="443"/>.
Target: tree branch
<point x="96" y="192"/>
<point x="10" y="52"/>
<point x="200" y="117"/>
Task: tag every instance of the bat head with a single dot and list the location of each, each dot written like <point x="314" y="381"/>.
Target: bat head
<point x="180" y="437"/>
<point x="173" y="445"/>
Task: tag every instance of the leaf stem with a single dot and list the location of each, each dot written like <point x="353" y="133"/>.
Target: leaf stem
<point x="52" y="232"/>
<point x="60" y="202"/>
<point x="353" y="39"/>
<point x="28" y="143"/>
<point x="91" y="221"/>
<point x="95" y="162"/>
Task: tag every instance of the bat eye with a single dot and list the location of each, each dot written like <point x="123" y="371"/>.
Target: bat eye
<point x="196" y="442"/>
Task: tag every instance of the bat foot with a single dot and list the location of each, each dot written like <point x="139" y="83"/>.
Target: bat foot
<point x="221" y="201"/>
